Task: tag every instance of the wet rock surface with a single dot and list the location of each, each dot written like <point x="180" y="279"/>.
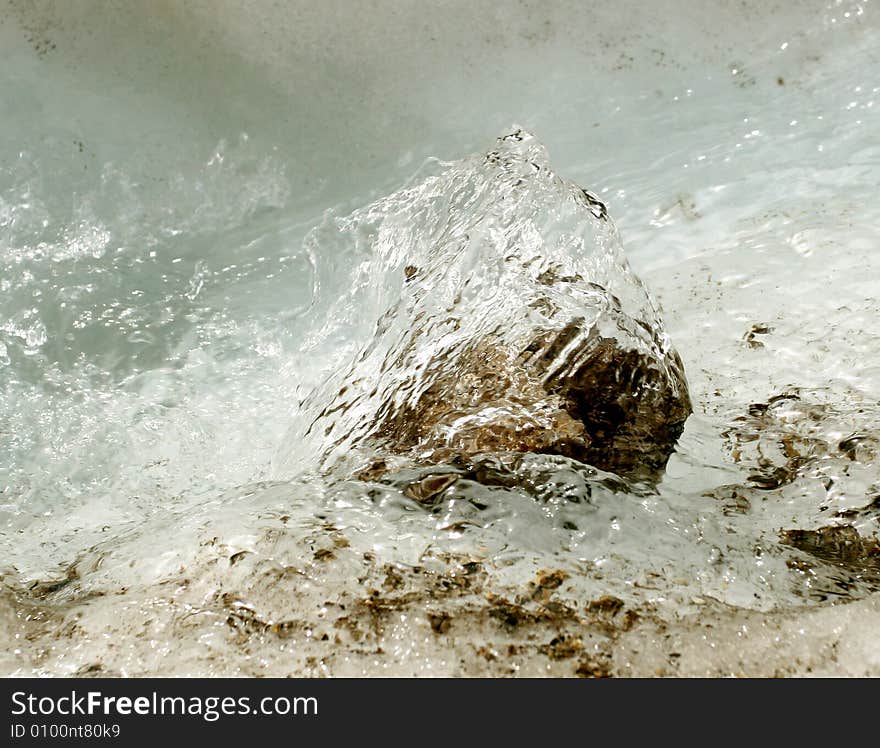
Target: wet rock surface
<point x="512" y="324"/>
<point x="611" y="408"/>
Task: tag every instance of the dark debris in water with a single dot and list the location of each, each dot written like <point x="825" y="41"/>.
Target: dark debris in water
<point x="841" y="546"/>
<point x="790" y="445"/>
<point x="781" y="439"/>
<point x="751" y="338"/>
<point x="440" y="622"/>
<point x="593" y="667"/>
<point x="562" y="647"/>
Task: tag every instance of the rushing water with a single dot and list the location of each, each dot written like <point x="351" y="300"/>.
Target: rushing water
<point x="164" y="327"/>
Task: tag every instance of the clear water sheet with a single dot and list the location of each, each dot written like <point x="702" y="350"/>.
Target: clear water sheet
<point x="162" y="328"/>
<point x="489" y="264"/>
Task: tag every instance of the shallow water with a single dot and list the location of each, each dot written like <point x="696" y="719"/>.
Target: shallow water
<point x="163" y="315"/>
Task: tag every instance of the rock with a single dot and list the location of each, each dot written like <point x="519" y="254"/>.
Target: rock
<point x="610" y="407"/>
<point x="512" y="323"/>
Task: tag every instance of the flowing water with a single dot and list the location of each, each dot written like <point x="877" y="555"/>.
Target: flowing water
<point x="180" y="297"/>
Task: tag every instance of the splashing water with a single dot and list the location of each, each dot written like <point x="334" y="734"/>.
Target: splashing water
<point x="178" y="466"/>
<point x="506" y="317"/>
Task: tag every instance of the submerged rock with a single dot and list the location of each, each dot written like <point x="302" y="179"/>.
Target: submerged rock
<point x="841" y="545"/>
<point x="509" y="321"/>
<point x="603" y="405"/>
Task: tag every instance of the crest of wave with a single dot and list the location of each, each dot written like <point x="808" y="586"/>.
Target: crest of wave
<point x="495" y="247"/>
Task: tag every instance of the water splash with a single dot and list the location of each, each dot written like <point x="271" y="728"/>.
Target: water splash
<point x="125" y="428"/>
<point x="494" y="311"/>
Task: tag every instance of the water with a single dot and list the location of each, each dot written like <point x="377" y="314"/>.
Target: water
<point x="477" y="299"/>
<point x="169" y="301"/>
